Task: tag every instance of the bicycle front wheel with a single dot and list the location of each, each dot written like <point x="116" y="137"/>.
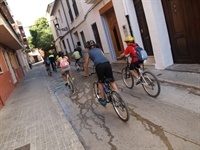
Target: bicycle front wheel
<point x="71" y="84"/>
<point x="120" y="106"/>
<point x="150" y="84"/>
<point x="127" y="78"/>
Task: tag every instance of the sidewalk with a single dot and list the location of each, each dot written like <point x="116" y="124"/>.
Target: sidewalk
<point x="187" y="75"/>
<point x="32" y="118"/>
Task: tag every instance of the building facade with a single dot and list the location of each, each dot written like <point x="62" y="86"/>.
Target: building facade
<point x="13" y="62"/>
<point x="167" y="29"/>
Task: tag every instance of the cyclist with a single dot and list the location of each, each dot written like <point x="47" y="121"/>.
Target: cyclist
<point x="52" y="60"/>
<point x="102" y="67"/>
<point x="47" y="64"/>
<point x="66" y="69"/>
<point x="77" y="57"/>
<point x="135" y="63"/>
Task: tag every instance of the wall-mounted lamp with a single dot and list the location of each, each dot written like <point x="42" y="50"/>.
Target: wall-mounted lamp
<point x="62" y="29"/>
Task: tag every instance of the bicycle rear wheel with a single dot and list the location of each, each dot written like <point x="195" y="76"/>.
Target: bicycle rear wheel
<point x="120" y="106"/>
<point x="49" y="72"/>
<point x="150" y="84"/>
<point x="127" y="78"/>
<point x="96" y="90"/>
<point x="71" y="84"/>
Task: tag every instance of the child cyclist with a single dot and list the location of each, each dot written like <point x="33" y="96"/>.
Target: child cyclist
<point x="135" y="63"/>
<point x="66" y="69"/>
<point x="77" y="57"/>
<point x="102" y="67"/>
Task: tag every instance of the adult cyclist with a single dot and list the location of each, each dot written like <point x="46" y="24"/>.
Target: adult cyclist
<point x="102" y="67"/>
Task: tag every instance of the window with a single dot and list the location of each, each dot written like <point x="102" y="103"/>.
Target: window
<point x="75" y="7"/>
<point x="60" y="16"/>
<point x="69" y="45"/>
<point x="83" y="37"/>
<point x="96" y="35"/>
<point x="70" y="11"/>
<point x="64" y="44"/>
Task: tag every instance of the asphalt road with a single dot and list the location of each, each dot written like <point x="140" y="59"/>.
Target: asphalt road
<point x="169" y="122"/>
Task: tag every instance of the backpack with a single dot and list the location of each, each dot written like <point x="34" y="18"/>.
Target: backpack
<point x="48" y="61"/>
<point x="141" y="53"/>
<point x="64" y="63"/>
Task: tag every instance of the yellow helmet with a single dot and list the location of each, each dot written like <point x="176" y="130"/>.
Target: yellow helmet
<point x="129" y="39"/>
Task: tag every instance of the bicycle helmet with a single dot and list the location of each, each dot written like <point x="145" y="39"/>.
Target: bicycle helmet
<point x="90" y="43"/>
<point x="129" y="39"/>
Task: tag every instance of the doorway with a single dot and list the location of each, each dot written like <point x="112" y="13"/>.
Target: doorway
<point x="183" y="23"/>
<point x="144" y="31"/>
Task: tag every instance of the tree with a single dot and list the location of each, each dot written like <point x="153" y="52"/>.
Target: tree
<point x="41" y="35"/>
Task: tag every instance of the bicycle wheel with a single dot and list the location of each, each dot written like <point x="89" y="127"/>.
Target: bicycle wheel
<point x="49" y="72"/>
<point x="120" y="106"/>
<point x="127" y="78"/>
<point x="71" y="84"/>
<point x="81" y="66"/>
<point x="96" y="90"/>
<point x="150" y="84"/>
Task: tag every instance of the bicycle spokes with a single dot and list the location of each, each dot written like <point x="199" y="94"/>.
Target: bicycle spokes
<point x="150" y="84"/>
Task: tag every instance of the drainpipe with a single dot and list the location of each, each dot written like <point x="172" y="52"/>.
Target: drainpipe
<point x="67" y="23"/>
<point x="127" y="17"/>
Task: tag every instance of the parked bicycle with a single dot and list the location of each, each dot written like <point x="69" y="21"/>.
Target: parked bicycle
<point x="148" y="80"/>
<point x="114" y="98"/>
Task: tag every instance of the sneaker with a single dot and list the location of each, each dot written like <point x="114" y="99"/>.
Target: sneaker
<point x="103" y="102"/>
<point x="66" y="83"/>
<point x="138" y="81"/>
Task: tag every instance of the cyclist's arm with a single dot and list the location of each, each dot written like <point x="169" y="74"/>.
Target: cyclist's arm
<point x="86" y="65"/>
<point x="121" y="56"/>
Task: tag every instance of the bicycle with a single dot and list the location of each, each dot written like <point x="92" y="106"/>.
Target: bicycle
<point x="148" y="80"/>
<point x="48" y="69"/>
<point x="114" y="98"/>
<point x="70" y="82"/>
<point x="80" y="65"/>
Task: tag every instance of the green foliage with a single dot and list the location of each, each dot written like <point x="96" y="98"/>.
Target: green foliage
<point x="41" y="35"/>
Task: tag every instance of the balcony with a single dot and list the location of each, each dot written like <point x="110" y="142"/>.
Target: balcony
<point x="90" y="1"/>
<point x="8" y="38"/>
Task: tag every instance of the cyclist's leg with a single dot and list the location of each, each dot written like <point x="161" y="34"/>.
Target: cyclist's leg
<point x="133" y="69"/>
<point x="64" y="75"/>
<point x="52" y="65"/>
<point x="109" y="75"/>
<point x="100" y="75"/>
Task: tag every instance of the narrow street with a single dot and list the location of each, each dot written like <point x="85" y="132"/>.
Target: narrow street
<point x="170" y="121"/>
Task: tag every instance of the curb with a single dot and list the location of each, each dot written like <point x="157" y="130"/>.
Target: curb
<point x="171" y="82"/>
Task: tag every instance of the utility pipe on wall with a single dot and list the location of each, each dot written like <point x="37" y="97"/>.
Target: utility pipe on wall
<point x="127" y="17"/>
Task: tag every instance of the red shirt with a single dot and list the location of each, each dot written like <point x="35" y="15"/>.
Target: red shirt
<point x="131" y="50"/>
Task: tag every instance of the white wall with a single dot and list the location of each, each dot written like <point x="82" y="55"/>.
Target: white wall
<point x="89" y="14"/>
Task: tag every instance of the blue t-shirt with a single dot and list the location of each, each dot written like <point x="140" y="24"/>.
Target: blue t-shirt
<point x="97" y="56"/>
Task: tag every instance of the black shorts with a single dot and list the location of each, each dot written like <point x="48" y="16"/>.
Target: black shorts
<point x="77" y="60"/>
<point x="135" y="65"/>
<point x="104" y="70"/>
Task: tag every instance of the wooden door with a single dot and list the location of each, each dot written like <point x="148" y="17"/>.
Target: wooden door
<point x="114" y="31"/>
<point x="183" y="22"/>
<point x="144" y="31"/>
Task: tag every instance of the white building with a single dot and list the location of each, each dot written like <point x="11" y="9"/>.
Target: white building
<point x="166" y="29"/>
